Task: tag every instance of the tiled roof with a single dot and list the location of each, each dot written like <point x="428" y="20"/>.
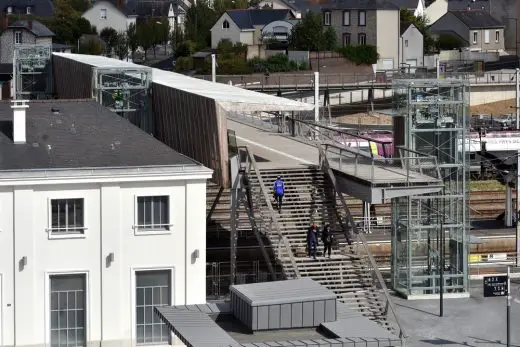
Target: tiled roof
<point x="477" y="19"/>
<point x="360" y="5"/>
<point x="248" y="18"/>
<point x="37" y="28"/>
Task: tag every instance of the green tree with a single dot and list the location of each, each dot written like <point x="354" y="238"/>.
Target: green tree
<point x="199" y="20"/>
<point x="145" y="37"/>
<point x="160" y="32"/>
<point x="121" y="46"/>
<point x="110" y="37"/>
<point x="185" y="49"/>
<point x="132" y="39"/>
<point x="448" y="42"/>
<point x="91" y="46"/>
<point x="421" y="23"/>
<point x="80" y="5"/>
<point x="310" y="35"/>
<point x="221" y="6"/>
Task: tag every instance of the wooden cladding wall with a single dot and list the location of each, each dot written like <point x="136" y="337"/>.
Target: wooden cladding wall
<point x="72" y="79"/>
<point x="194" y="126"/>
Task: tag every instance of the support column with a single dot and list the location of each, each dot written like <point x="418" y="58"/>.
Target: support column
<point x="213" y="68"/>
<point x="508" y="215"/>
<point x="316" y="97"/>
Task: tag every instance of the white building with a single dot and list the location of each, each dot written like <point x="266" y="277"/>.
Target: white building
<point x="100" y="222"/>
<point x="103" y="14"/>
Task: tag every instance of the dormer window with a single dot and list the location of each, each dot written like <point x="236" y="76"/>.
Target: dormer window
<point x="225" y="24"/>
<point x="17" y="37"/>
<point x="28" y="10"/>
<point x="9" y="10"/>
<point x="103" y="13"/>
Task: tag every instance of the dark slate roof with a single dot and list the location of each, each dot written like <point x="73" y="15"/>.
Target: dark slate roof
<point x="403" y="27"/>
<point x="477" y="19"/>
<point x="39" y="8"/>
<point x="6" y="69"/>
<point x="455" y="5"/>
<point x="408" y="4"/>
<point x="360" y="5"/>
<point x="35" y="27"/>
<point x="160" y="8"/>
<point x="248" y="18"/>
<point x="83" y="135"/>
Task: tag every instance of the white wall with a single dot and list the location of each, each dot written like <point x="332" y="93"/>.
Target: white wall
<point x="415" y="48"/>
<point x="232" y="33"/>
<point x="388" y="36"/>
<point x="436" y="10"/>
<point x="109" y="217"/>
<point x="115" y="18"/>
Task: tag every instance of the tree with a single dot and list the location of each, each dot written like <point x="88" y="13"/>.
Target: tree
<point x="421" y="23"/>
<point x="145" y="37"/>
<point x="199" y="20"/>
<point x="221" y="6"/>
<point x="110" y="37"/>
<point x="121" y="46"/>
<point x="132" y="39"/>
<point x="160" y="33"/>
<point x="310" y="35"/>
<point x="448" y="42"/>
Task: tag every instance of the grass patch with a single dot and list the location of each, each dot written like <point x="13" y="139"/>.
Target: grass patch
<point x="489" y="185"/>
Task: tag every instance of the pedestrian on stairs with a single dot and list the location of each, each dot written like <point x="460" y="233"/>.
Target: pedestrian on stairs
<point x="327" y="237"/>
<point x="312" y="240"/>
<point x="279" y="192"/>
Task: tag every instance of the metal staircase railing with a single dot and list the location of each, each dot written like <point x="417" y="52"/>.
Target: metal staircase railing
<point x="267" y="223"/>
<point x="324" y="164"/>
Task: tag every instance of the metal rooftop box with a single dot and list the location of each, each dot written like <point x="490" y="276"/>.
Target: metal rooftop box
<point x="285" y="304"/>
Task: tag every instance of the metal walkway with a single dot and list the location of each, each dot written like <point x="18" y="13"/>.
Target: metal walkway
<point x="358" y="173"/>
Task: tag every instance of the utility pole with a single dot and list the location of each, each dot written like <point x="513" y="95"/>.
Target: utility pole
<point x="213" y="69"/>
<point x="317" y="96"/>
<point x="508" y="312"/>
<point x="441" y="269"/>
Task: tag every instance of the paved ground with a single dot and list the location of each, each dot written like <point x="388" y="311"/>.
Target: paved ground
<point x="476" y="321"/>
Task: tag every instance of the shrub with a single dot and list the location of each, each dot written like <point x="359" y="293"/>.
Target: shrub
<point x="362" y="54"/>
<point x="184" y="64"/>
<point x="275" y="63"/>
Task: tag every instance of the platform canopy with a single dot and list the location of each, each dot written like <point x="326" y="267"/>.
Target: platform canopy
<point x="229" y="97"/>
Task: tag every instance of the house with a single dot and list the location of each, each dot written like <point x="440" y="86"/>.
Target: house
<point x="477" y="29"/>
<point x="245" y="26"/>
<point x="100" y="223"/>
<point x="505" y="11"/>
<point x="103" y="14"/>
<point x="40" y="8"/>
<point x="414" y="6"/>
<point x="411" y="48"/>
<point x="174" y="10"/>
<point x="370" y="22"/>
<point x="22" y="32"/>
<point x="281" y="5"/>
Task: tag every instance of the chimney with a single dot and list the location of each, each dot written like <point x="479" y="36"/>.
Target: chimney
<point x="5" y="22"/>
<point x="29" y="24"/>
<point x="19" y="123"/>
<point x="120" y="4"/>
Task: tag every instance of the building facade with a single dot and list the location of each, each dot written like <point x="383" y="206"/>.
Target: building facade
<point x="86" y="253"/>
<point x="377" y="25"/>
<point x="411" y="48"/>
<point x="23" y="32"/>
<point x="103" y="14"/>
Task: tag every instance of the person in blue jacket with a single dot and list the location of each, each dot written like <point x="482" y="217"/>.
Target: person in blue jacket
<point x="312" y="240"/>
<point x="279" y="192"/>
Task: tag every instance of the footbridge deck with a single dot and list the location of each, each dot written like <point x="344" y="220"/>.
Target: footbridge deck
<point x="358" y="174"/>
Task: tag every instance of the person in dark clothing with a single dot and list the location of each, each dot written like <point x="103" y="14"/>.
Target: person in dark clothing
<point x="312" y="240"/>
<point x="279" y="192"/>
<point x="247" y="186"/>
<point x="327" y="237"/>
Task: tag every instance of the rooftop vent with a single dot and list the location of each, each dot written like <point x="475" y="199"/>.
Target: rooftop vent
<point x="19" y="122"/>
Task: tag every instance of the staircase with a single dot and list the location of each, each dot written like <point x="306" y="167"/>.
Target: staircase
<point x="310" y="197"/>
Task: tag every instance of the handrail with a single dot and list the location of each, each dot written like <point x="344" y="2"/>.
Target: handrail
<point x="272" y="215"/>
<point x="326" y="167"/>
<point x="214" y="205"/>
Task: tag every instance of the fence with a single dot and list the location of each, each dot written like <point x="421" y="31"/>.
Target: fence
<point x="430" y="61"/>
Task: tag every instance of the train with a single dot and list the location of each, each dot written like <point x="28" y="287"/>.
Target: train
<point x="380" y="144"/>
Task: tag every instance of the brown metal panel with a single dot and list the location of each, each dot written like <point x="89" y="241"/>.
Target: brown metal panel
<point x="194" y="126"/>
<point x="399" y="135"/>
<point x="72" y="79"/>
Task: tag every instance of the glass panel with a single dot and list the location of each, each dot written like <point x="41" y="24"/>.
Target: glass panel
<point x="140" y="334"/>
<point x="157" y="332"/>
<point x="148" y="333"/>
<point x="72" y="337"/>
<point x="140" y="296"/>
<point x="71" y="319"/>
<point x="156" y="299"/>
<point x="148" y="211"/>
<point x="62" y="319"/>
<point x="54" y="301"/>
<point x="165" y="295"/>
<point x="148" y="314"/>
<point x="63" y="337"/>
<point x="80" y="318"/>
<point x="165" y="211"/>
<point x="55" y="338"/>
<point x="80" y="300"/>
<point x="140" y="211"/>
<point x="62" y="214"/>
<point x="140" y="315"/>
<point x="54" y="319"/>
<point x="54" y="214"/>
<point x="71" y="300"/>
<point x="79" y="222"/>
<point x="62" y="301"/>
<point x="159" y="278"/>
<point x="148" y="296"/>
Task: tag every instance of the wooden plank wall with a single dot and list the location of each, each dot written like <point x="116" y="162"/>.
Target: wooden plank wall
<point x="72" y="79"/>
<point x="194" y="126"/>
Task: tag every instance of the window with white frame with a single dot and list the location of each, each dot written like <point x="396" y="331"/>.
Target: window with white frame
<point x="67" y="216"/>
<point x="475" y="37"/>
<point x="362" y="39"/>
<point x="68" y="310"/>
<point x="9" y="10"/>
<point x="103" y="13"/>
<point x="225" y="24"/>
<point x="406" y="43"/>
<point x="346" y="40"/>
<point x="486" y="36"/>
<point x="28" y="10"/>
<point x="497" y="36"/>
<point x="346" y="18"/>
<point x="153" y="213"/>
<point x="326" y="18"/>
<point x="17" y="37"/>
<point x="152" y="289"/>
<point x="362" y="18"/>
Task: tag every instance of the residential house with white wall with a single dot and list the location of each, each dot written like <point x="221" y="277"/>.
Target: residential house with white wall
<point x="100" y="223"/>
<point x="23" y="32"/>
<point x="375" y="23"/>
<point x="246" y="27"/>
<point x="104" y="14"/>
<point x="411" y="48"/>
<point x="478" y="30"/>
<point x="281" y="5"/>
